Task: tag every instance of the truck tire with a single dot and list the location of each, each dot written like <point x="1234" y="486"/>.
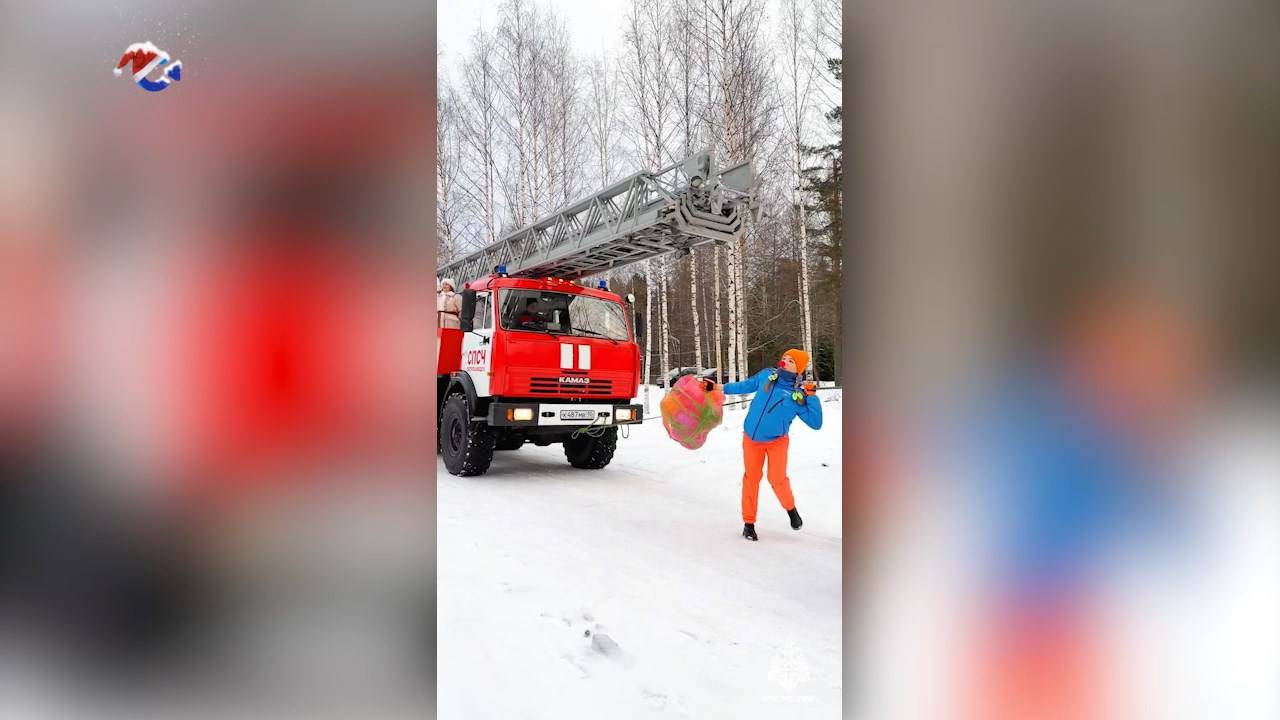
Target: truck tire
<point x="591" y="453"/>
<point x="509" y="442"/>
<point x="467" y="446"/>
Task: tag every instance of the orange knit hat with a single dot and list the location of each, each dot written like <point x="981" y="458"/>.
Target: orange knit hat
<point x="800" y="357"/>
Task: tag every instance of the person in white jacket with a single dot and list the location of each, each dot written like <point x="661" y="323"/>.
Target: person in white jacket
<point x="448" y="304"/>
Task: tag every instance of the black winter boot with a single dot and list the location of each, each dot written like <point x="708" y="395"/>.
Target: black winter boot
<point x="749" y="531"/>
<point x="796" y="522"/>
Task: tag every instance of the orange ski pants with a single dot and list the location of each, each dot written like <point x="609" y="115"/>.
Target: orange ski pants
<point x="754" y="455"/>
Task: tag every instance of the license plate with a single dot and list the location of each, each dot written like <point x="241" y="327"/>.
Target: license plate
<point x="577" y="414"/>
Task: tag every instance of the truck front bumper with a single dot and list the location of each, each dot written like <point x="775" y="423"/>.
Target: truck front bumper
<point x="543" y="414"/>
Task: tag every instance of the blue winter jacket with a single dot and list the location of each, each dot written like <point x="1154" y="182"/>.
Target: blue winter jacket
<point x="773" y="408"/>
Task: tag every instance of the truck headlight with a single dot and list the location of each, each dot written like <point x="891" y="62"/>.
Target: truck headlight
<point x="523" y="414"/>
<point x="624" y="414"/>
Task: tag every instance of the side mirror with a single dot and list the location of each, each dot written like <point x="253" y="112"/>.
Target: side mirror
<point x="466" y="319"/>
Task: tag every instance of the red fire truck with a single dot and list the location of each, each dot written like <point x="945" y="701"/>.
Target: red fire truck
<point x="541" y="358"/>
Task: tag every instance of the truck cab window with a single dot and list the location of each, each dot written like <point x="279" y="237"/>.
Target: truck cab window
<point x="484" y="315"/>
<point x="562" y="314"/>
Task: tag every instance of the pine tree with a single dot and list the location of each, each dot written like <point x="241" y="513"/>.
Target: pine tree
<point x="822" y="181"/>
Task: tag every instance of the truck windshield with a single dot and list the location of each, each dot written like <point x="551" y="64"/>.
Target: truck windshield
<point x="562" y="313"/>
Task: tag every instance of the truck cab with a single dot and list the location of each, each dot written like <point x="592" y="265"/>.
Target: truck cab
<point x="540" y="360"/>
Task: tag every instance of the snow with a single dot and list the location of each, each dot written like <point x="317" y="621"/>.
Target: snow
<point x="147" y="47"/>
<point x="629" y="592"/>
<point x="161" y="57"/>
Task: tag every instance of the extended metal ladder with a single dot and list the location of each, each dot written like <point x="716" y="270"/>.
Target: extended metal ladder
<point x="649" y="213"/>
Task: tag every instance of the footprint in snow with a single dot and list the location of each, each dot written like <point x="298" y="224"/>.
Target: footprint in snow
<point x="662" y="701"/>
<point x="596" y="640"/>
<point x="656" y="700"/>
<point x="577" y="668"/>
<point x="603" y="644"/>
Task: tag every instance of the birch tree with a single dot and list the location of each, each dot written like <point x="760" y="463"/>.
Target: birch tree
<point x="666" y="327"/>
<point x="448" y="161"/>
<point x="565" y="116"/>
<point x="644" y="71"/>
<point x="827" y="39"/>
<point x="602" y="116"/>
<point x="715" y="308"/>
<point x="643" y="74"/>
<point x="648" y="331"/>
<point x="515" y="59"/>
<point x="685" y="81"/>
<point x="738" y="119"/>
<point x="715" y="40"/>
<point x="798" y="67"/>
<point x="480" y="128"/>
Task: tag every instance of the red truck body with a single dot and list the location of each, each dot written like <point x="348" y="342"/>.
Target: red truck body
<point x="513" y="382"/>
<point x="528" y="364"/>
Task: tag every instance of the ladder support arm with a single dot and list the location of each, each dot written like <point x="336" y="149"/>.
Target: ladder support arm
<point x="638" y="217"/>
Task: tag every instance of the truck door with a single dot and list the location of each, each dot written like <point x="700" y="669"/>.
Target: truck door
<point x="477" y="346"/>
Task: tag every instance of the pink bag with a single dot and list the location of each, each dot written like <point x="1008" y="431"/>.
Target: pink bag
<point x="689" y="412"/>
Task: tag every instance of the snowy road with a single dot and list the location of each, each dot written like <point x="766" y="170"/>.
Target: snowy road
<point x="688" y="618"/>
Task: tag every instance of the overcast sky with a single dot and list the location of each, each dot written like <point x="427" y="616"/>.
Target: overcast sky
<point x="594" y="25"/>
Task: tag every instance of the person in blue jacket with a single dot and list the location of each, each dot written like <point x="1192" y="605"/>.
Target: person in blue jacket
<point x="780" y="397"/>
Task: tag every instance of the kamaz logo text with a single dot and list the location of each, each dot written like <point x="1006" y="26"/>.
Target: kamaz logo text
<point x="566" y="380"/>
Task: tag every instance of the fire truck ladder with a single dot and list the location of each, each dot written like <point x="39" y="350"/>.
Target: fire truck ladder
<point x="676" y="208"/>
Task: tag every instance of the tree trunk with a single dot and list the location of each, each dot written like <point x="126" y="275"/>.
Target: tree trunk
<point x="489" y="224"/>
<point x="741" y="301"/>
<point x="734" y="336"/>
<point x="806" y="311"/>
<point x="666" y="330"/>
<point x="715" y="309"/>
<point x="693" y="303"/>
<point x="709" y="302"/>
<point x="648" y="329"/>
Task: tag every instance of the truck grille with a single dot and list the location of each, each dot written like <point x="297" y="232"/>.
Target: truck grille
<point x="553" y="386"/>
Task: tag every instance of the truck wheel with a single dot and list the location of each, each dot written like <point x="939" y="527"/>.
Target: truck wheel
<point x="591" y="453"/>
<point x="467" y="447"/>
<point x="509" y="442"/>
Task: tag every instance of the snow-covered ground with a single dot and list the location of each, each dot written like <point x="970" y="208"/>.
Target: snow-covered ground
<point x="629" y="592"/>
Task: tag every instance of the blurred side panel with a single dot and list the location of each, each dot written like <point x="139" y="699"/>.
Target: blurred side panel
<point x="215" y="360"/>
<point x="1068" y="339"/>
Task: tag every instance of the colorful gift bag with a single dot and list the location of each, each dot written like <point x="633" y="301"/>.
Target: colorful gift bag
<point x="689" y="412"/>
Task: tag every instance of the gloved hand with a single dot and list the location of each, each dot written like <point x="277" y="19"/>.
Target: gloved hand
<point x="809" y="387"/>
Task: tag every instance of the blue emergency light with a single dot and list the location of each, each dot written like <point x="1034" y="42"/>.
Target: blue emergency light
<point x="501" y="270"/>
<point x="601" y="285"/>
